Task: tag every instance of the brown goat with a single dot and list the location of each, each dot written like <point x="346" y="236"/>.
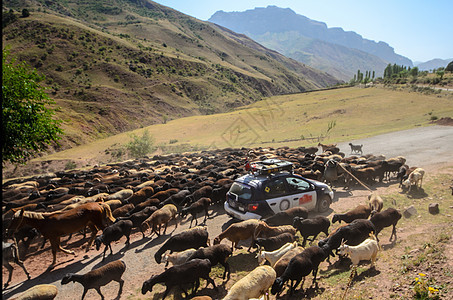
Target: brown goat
<point x="237" y="232"/>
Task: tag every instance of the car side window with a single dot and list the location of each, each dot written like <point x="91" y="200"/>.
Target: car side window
<point x="275" y="187"/>
<point x="297" y="185"/>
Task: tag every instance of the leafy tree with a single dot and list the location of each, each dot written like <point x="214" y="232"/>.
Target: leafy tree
<point x="140" y="146"/>
<point x="28" y="126"/>
<point x="449" y="67"/>
<point x="440" y="73"/>
<point x="414" y="71"/>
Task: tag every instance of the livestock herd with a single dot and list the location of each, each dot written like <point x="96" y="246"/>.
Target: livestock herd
<point x="149" y="193"/>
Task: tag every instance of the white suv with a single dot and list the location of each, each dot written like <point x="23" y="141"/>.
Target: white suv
<point x="271" y="187"/>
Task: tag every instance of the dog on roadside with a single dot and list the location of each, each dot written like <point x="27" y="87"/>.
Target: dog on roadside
<point x="356" y="148"/>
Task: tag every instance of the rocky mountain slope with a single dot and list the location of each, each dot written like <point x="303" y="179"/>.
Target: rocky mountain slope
<point x="113" y="66"/>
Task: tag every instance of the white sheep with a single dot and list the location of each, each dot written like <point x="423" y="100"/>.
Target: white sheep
<point x="273" y="256"/>
<point x="39" y="292"/>
<point x="253" y="285"/>
<point x="414" y="178"/>
<point x="367" y="250"/>
<point x="178" y="258"/>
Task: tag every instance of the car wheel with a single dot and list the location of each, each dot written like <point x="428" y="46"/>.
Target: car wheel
<point x="323" y="204"/>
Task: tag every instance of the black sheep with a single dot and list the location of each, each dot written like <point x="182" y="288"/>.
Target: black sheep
<point x="311" y="227"/>
<point x="197" y="207"/>
<point x="192" y="238"/>
<point x="138" y="217"/>
<point x="286" y="217"/>
<point x="113" y="233"/>
<point x="386" y="218"/>
<point x="352" y="234"/>
<point x="275" y="242"/>
<point x="217" y="254"/>
<point x="189" y="272"/>
<point x="300" y="266"/>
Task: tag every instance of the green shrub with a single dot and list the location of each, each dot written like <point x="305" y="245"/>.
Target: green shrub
<point x="140" y="146"/>
<point x="70" y="165"/>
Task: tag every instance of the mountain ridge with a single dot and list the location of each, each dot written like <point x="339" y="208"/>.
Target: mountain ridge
<point x="272" y="19"/>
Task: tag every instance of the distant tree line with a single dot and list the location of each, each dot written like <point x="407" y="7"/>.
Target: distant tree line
<point x="399" y="74"/>
<point x="363" y="78"/>
<point x="395" y="71"/>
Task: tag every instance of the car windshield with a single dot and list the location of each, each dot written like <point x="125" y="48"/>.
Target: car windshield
<point x="241" y="190"/>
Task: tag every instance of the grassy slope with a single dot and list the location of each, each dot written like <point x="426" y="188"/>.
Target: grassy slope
<point x="290" y="120"/>
<point x="113" y="72"/>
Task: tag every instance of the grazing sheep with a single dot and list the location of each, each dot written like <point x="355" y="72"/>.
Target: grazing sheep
<point x="367" y="250"/>
<point x="253" y="285"/>
<point x="189" y="272"/>
<point x="386" y="218"/>
<point x="325" y="147"/>
<point x="141" y="195"/>
<point x="161" y="216"/>
<point x="300" y="266"/>
<point x="414" y="178"/>
<point x="237" y="232"/>
<point x="113" y="233"/>
<point x="114" y="204"/>
<point x="120" y="195"/>
<point x="403" y="173"/>
<point x="286" y="217"/>
<point x="263" y="230"/>
<point x="217" y="254"/>
<point x="274" y="242"/>
<point x="311" y="227"/>
<point x="330" y="171"/>
<point x="376" y="203"/>
<point x="99" y="277"/>
<point x="273" y="256"/>
<point x="123" y="210"/>
<point x="195" y="237"/>
<point x="138" y="217"/>
<point x="362" y="211"/>
<point x="352" y="234"/>
<point x="197" y="207"/>
<point x="281" y="264"/>
<point x="178" y="258"/>
<point x="10" y="254"/>
<point x="39" y="292"/>
<point x="147" y="203"/>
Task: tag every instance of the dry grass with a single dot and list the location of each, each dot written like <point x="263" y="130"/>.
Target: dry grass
<point x="290" y="120"/>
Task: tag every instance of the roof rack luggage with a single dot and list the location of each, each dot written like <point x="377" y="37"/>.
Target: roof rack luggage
<point x="270" y="166"/>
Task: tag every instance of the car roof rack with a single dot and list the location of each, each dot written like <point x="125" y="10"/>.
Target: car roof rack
<point x="270" y="166"/>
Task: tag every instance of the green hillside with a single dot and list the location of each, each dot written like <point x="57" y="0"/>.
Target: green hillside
<point x="114" y="66"/>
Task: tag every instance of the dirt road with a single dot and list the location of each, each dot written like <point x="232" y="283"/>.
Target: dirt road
<point x="425" y="147"/>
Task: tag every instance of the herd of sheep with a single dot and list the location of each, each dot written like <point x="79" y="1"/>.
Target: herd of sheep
<point x="151" y="193"/>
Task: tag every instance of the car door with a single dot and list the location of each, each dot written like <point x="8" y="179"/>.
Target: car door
<point x="300" y="192"/>
<point x="276" y="194"/>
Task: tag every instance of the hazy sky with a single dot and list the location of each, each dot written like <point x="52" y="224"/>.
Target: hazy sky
<point x="418" y="29"/>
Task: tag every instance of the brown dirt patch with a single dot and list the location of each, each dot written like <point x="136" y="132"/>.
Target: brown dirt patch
<point x="444" y="121"/>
